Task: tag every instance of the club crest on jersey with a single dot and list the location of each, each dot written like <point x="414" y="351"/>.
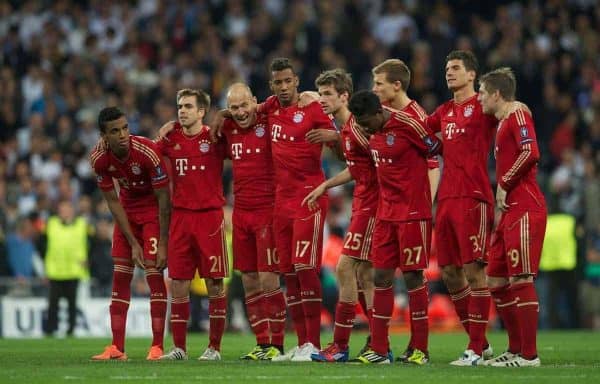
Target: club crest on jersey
<point x="177" y="147"/>
<point x="348" y="145"/>
<point x="468" y="110"/>
<point x="298" y="117"/>
<point x="135" y="169"/>
<point x="390" y="139"/>
<point x="260" y="130"/>
<point x="204" y="146"/>
<point x="524" y="132"/>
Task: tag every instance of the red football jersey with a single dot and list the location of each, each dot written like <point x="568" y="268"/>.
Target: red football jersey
<point x="297" y="162"/>
<point x="400" y="153"/>
<point x="253" y="174"/>
<point x="196" y="169"/>
<point x="361" y="167"/>
<point x="467" y="134"/>
<point x="517" y="155"/>
<point x="138" y="175"/>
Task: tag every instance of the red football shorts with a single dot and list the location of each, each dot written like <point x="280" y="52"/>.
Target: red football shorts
<point x="299" y="241"/>
<point x="197" y="241"/>
<point x="253" y="242"/>
<point x="462" y="229"/>
<point x="516" y="245"/>
<point x="403" y="244"/>
<point x="358" y="240"/>
<point x="145" y="229"/>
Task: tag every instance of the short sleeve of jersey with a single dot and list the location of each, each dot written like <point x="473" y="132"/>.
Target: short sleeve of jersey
<point x="155" y="167"/>
<point x="269" y="105"/>
<point x="434" y="121"/>
<point x="99" y="163"/>
<point x="103" y="179"/>
<point x="522" y="130"/>
<point x="419" y="134"/>
<point x="320" y="119"/>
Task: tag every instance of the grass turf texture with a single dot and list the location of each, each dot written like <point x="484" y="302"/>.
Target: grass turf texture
<point x="567" y="357"/>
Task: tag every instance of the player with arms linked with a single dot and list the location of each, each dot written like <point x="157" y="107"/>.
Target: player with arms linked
<point x="400" y="146"/>
<point x="197" y="235"/>
<point x="354" y="269"/>
<point x="517" y="240"/>
<point x="254" y="252"/>
<point x="465" y="212"/>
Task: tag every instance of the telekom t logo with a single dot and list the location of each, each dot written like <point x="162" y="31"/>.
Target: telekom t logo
<point x="181" y="166"/>
<point x="275" y="132"/>
<point x="452" y="130"/>
<point x="236" y="150"/>
<point x="375" y="155"/>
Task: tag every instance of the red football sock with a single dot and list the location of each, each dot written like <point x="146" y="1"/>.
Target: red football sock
<point x="461" y="299"/>
<point x="217" y="314"/>
<point x="275" y="303"/>
<point x="417" y="303"/>
<point x="310" y="291"/>
<point x="294" y="303"/>
<point x="180" y="314"/>
<point x="507" y="309"/>
<point x="344" y="321"/>
<point x="121" y="294"/>
<point x="479" y="312"/>
<point x="158" y="304"/>
<point x="257" y="319"/>
<point x="383" y="306"/>
<point x="527" y="311"/>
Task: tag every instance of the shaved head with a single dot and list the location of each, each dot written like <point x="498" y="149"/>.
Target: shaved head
<point x="241" y="104"/>
<point x="239" y="90"/>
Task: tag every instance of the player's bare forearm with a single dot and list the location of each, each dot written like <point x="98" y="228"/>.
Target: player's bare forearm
<point x="216" y="125"/>
<point x="164" y="212"/>
<point x="341" y="178"/>
<point x="115" y="207"/>
<point x="434" y="181"/>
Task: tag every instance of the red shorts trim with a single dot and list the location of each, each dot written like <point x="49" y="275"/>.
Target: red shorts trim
<point x="462" y="229"/>
<point x="197" y="242"/>
<point x="253" y="242"/>
<point x="146" y="230"/>
<point x="405" y="245"/>
<point x="359" y="237"/>
<point x="517" y="243"/>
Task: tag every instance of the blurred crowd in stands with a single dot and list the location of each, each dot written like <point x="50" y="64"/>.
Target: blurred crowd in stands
<point x="63" y="60"/>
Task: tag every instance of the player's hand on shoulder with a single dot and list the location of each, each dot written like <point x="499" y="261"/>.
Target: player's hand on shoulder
<point x="165" y="129"/>
<point x="307" y="97"/>
<point x="517" y="105"/>
<point x="216" y="125"/>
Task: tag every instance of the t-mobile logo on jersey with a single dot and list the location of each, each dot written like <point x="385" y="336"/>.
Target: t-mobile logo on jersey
<point x="375" y="155"/>
<point x="452" y="130"/>
<point x="181" y="166"/>
<point x="275" y="132"/>
<point x="236" y="150"/>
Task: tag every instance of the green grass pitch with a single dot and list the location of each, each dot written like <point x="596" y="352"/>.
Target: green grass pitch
<point x="567" y="358"/>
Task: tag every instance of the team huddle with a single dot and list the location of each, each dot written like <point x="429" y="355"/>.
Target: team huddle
<point x="391" y="149"/>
